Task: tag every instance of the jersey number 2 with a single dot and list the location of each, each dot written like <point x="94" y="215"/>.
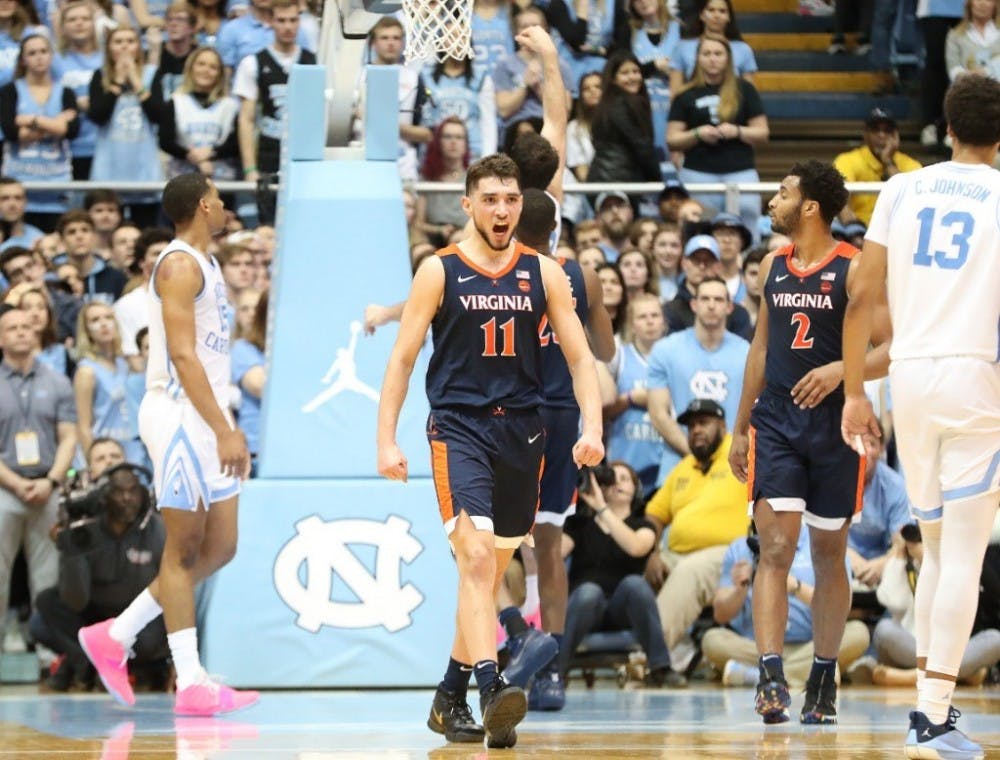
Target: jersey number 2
<point x="959" y="240"/>
<point x="490" y="338"/>
<point x="802" y="325"/>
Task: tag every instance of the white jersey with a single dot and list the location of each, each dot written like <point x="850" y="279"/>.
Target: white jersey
<point x="211" y="330"/>
<point x="941" y="226"/>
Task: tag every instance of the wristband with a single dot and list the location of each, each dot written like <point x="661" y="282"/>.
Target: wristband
<point x="249" y="170"/>
<point x="601" y="511"/>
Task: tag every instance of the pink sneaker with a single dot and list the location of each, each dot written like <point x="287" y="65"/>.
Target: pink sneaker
<point x="110" y="660"/>
<point x="210" y="698"/>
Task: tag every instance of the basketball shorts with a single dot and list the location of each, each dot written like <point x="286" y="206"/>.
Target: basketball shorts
<point x="559" y="477"/>
<point x="184" y="452"/>
<point x="488" y="465"/>
<point x="946" y="414"/>
<point x="800" y="463"/>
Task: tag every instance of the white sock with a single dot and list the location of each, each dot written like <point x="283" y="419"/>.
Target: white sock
<point x="143" y="611"/>
<point x="184" y="650"/>
<point x="921" y="675"/>
<point x="935" y="699"/>
<point x="531" y="599"/>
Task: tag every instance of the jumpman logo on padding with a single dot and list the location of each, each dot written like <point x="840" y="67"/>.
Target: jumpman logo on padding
<point x="343" y="375"/>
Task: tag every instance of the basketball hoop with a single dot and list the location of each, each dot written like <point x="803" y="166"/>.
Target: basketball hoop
<point x="438" y="29"/>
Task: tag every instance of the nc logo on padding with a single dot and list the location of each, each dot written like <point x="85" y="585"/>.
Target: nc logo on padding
<point x="324" y="549"/>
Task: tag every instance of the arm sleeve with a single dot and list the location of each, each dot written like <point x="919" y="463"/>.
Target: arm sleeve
<point x="69" y="104"/>
<point x="168" y="132"/>
<point x="659" y="370"/>
<point x="102" y="102"/>
<point x="726" y="579"/>
<point x="66" y="402"/>
<point x="878" y="227"/>
<point x="752" y="104"/>
<point x="245" y="79"/>
<point x="661" y="505"/>
<point x="226" y="45"/>
<point x="8" y="111"/>
<point x="572" y="30"/>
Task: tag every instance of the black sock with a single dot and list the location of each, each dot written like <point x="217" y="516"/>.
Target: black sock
<point x="823" y="670"/>
<point x="486" y="675"/>
<point x="512" y="621"/>
<point x="771" y="667"/>
<point x="456" y="677"/>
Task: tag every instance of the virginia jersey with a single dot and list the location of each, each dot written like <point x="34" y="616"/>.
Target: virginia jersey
<point x="941" y="225"/>
<point x="805" y="313"/>
<point x="211" y="329"/>
<point x="486" y="347"/>
<point x="556" y="378"/>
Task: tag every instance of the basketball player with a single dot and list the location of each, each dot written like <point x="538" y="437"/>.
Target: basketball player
<point x="799" y="469"/>
<point x="198" y="455"/>
<point x="485" y="298"/>
<point x="934" y="238"/>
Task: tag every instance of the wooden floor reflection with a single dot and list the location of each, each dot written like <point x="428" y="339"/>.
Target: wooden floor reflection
<point x="701" y="722"/>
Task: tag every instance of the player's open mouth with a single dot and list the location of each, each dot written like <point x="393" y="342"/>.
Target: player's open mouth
<point x="500" y="229"/>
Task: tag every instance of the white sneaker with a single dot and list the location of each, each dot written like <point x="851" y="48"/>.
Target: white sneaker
<point x="815" y="8"/>
<point x="739" y="674"/>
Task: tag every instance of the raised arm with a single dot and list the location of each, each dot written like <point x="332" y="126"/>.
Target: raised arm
<point x="555" y="106"/>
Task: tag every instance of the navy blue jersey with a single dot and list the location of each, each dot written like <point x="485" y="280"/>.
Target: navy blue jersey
<point x="805" y="311"/>
<point x="556" y="379"/>
<point x="486" y="347"/>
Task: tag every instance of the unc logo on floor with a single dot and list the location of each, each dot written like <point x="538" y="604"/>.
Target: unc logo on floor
<point x="324" y="547"/>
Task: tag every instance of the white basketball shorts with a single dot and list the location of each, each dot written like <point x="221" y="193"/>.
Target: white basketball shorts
<point x="184" y="452"/>
<point x="946" y="413"/>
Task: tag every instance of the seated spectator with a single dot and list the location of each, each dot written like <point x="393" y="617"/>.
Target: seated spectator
<point x="105" y="209"/>
<point x="878" y="159"/>
<point x="614" y="216"/>
<point x="13" y="203"/>
<point x="631" y="436"/>
<point x="614" y="296"/>
<point x="456" y="88"/>
<point x="440" y="214"/>
<point x="49" y="351"/>
<point x="667" y="254"/>
<point x="491" y="32"/>
<point x="716" y="120"/>
<point x="132" y="309"/>
<point x="78" y="58"/>
<point x="638" y="273"/>
<point x="895" y="661"/>
<point x="198" y="128"/>
<point x="751" y="282"/>
<point x="607" y="542"/>
<point x="248" y="34"/>
<point x="38" y="118"/>
<point x="125" y="114"/>
<point x="704" y="505"/>
<point x="587" y="31"/>
<point x="733" y="238"/>
<point x="100" y="281"/>
<point x="654" y="39"/>
<point x="731" y="648"/>
<point x="714" y="17"/>
<point x="973" y="46"/>
<point x="249" y="373"/>
<point x="27" y="270"/>
<point x="103" y="564"/>
<point x="178" y="44"/>
<point x="622" y="126"/>
<point x="123" y="239"/>
<point x="579" y="142"/>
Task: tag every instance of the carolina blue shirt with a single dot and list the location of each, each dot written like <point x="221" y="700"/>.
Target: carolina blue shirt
<point x="658" y="86"/>
<point x="244" y="356"/>
<point x="508" y="74"/>
<point x="631" y="436"/>
<point x="25" y="239"/>
<point x="689" y="371"/>
<point x="686" y="55"/>
<point x="886" y="509"/>
<point x="245" y="36"/>
<point x="492" y="39"/>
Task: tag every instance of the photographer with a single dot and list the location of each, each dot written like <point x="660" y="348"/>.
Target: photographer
<point x="110" y="540"/>
<point x="607" y="541"/>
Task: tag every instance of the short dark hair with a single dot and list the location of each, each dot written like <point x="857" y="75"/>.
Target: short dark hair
<point x="9" y="181"/>
<point x="537" y="160"/>
<point x="386" y="22"/>
<point x="972" y="110"/>
<point x="76" y="216"/>
<point x="824" y="184"/>
<point x="538" y="216"/>
<point x="713" y="278"/>
<point x="9" y="254"/>
<point x="101" y="195"/>
<point x="182" y="195"/>
<point x="150" y="237"/>
<point x="754" y="256"/>
<point x="497" y="165"/>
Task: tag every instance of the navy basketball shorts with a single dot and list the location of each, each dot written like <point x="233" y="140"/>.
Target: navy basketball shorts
<point x="800" y="463"/>
<point x="487" y="464"/>
<point x="559" y="476"/>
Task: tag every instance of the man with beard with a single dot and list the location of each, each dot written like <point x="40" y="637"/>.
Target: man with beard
<point x="485" y="297"/>
<point x="786" y="442"/>
<point x="705" y="507"/>
<point x="615" y="214"/>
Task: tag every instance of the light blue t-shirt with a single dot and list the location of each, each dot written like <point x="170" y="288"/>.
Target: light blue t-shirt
<point x="245" y="36"/>
<point x="886" y="509"/>
<point x="25" y="240"/>
<point x="492" y="39"/>
<point x="244" y="356"/>
<point x="686" y="55"/>
<point x="682" y="365"/>
<point x="631" y="436"/>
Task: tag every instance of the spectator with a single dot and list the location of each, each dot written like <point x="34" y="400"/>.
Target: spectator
<point x="733" y="238"/>
<point x="935" y="21"/>
<point x="49" y="351"/>
<point x="149" y="14"/>
<point x="238" y="272"/>
<point x="78" y="58"/>
<point x="27" y="269"/>
<point x="38" y="118"/>
<point x="752" y="286"/>
<point x="132" y="309"/>
<point x="607" y="543"/>
<point x="622" y="127"/>
<point x="180" y="42"/>
<point x="655" y="36"/>
<point x="579" y="142"/>
<point x="702" y="260"/>
<point x="491" y="33"/>
<point x="105" y="209"/>
<point x="592" y="257"/>
<point x="667" y="254"/>
<point x="587" y="31"/>
<point x="852" y="15"/>
<point x="123" y="246"/>
<point x="690" y="210"/>
<point x="716" y="120"/>
<point x="249" y="372"/>
<point x="37" y="442"/>
<point x="209" y="18"/>
<point x="456" y="88"/>
<point x="639" y="273"/>
<point x="614" y="214"/>
<point x="703" y="361"/>
<point x="614" y="296"/>
<point x="974" y="45"/>
<point x="15" y="24"/>
<point x="440" y="214"/>
<point x="248" y="34"/>
<point x="714" y="17"/>
<point x="99" y="383"/>
<point x="875" y="161"/>
<point x="100" y="282"/>
<point x="631" y="435"/>
<point x="122" y="107"/>
<point x="671" y="197"/>
<point x="640" y="234"/>
<point x="731" y="648"/>
<point x="13" y="202"/>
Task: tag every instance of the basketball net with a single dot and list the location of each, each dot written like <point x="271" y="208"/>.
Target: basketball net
<point x="438" y="29"/>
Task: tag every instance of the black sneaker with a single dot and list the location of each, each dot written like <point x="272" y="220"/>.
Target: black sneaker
<point x="503" y="707"/>
<point x="772" y="700"/>
<point x="452" y="716"/>
<point x="62" y="678"/>
<point x="820" y="708"/>
<point x="666" y="677"/>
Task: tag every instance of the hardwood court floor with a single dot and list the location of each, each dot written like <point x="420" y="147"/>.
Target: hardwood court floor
<point x="605" y="723"/>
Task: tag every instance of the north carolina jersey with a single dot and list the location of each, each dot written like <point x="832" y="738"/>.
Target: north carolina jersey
<point x="805" y="317"/>
<point x="941" y="225"/>
<point x="556" y="378"/>
<point x="211" y="329"/>
<point x="486" y="347"/>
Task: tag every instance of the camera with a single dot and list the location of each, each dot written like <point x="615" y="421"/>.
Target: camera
<point x="83" y="503"/>
<point x="604" y="474"/>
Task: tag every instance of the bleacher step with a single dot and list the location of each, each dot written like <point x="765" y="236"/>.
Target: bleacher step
<point x="787" y="23"/>
<point x="785" y="61"/>
<point x="813" y="41"/>
<point x="845" y="106"/>
<point x="861" y="82"/>
<point x="765" y="6"/>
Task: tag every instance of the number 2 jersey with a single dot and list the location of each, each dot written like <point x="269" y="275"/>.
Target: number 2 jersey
<point x="941" y="225"/>
<point x="805" y="312"/>
<point x="486" y="345"/>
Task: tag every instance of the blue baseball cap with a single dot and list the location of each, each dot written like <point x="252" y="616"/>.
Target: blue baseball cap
<point x="703" y="243"/>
